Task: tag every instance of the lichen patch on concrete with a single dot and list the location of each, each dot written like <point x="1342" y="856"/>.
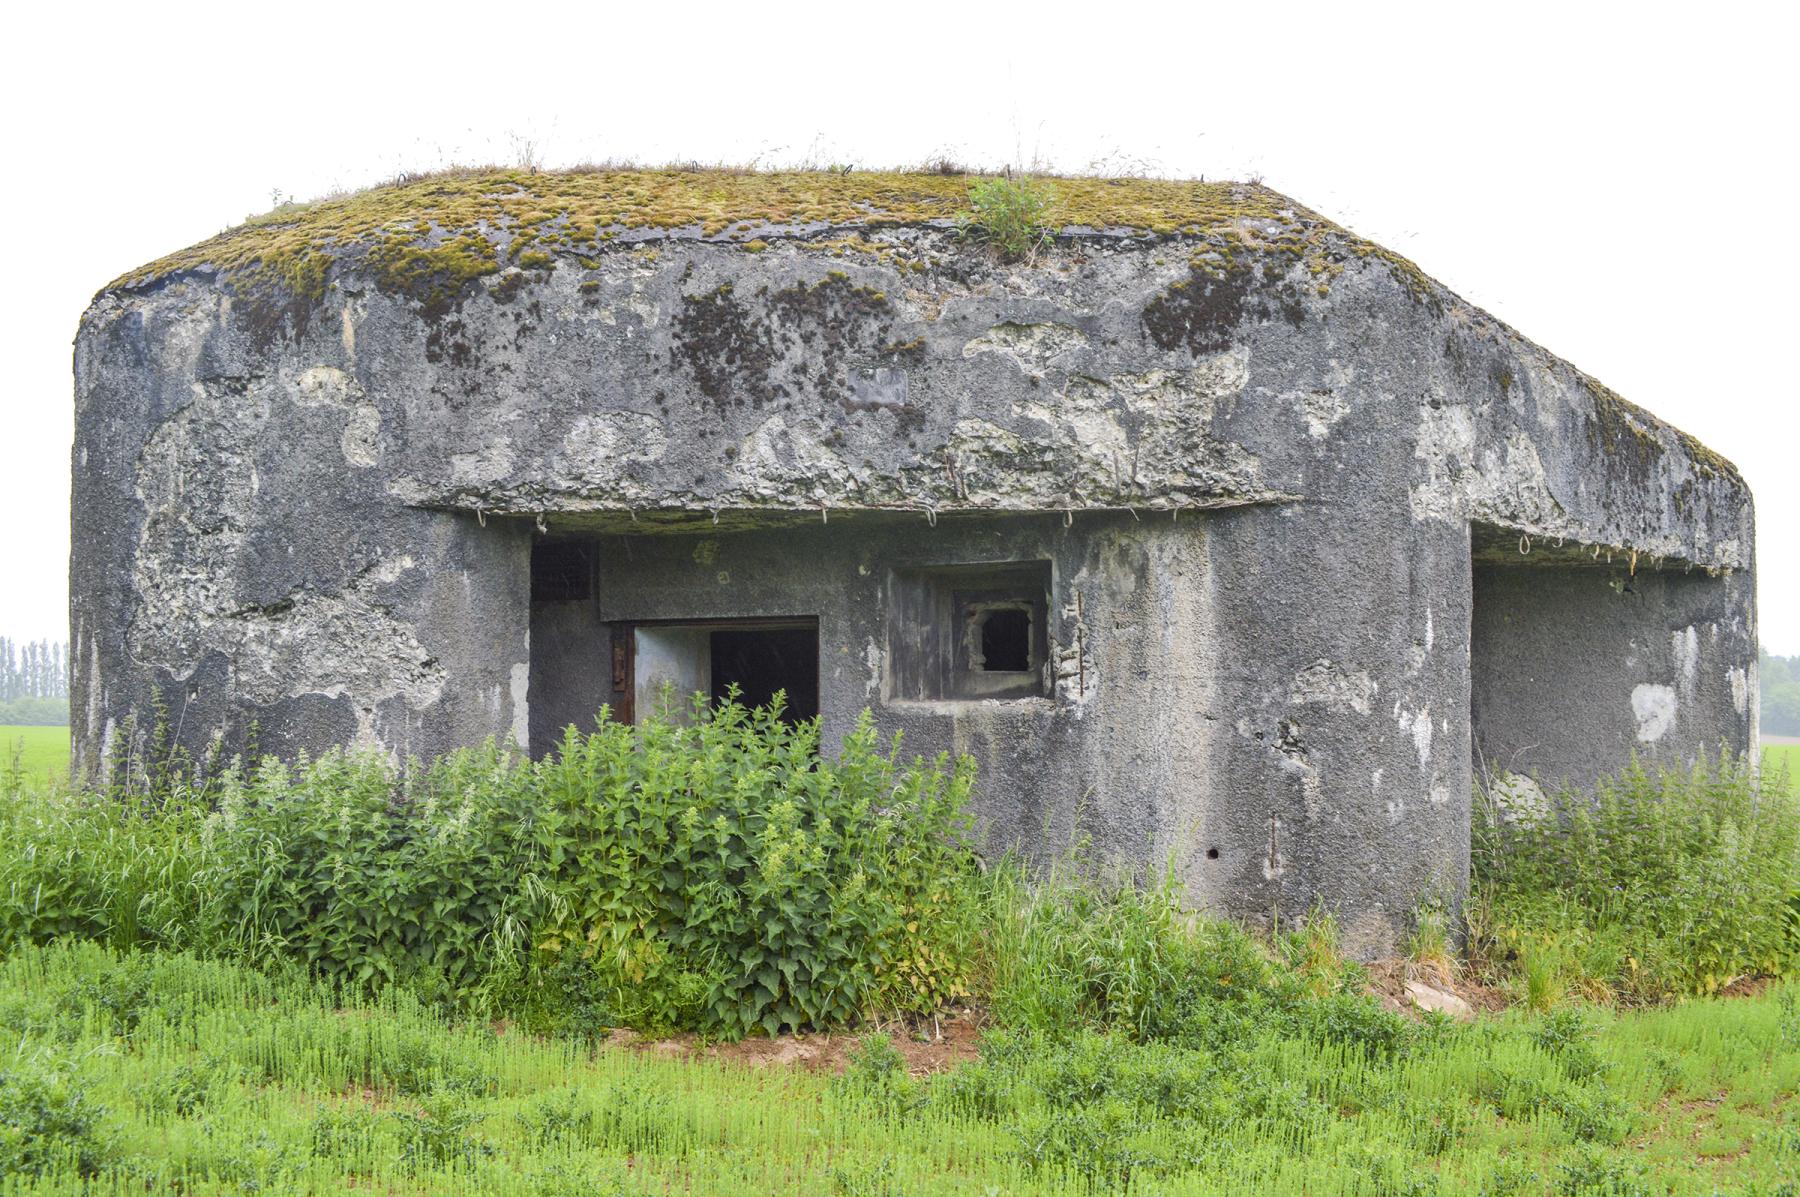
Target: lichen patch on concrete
<point x="332" y="387"/>
<point x="1032" y="347"/>
<point x="1654" y="707"/>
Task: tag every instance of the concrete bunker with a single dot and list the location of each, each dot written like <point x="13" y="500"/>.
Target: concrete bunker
<point x="1170" y="528"/>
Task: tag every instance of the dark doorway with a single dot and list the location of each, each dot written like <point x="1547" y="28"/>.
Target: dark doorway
<point x="761" y="661"/>
<point x="671" y="662"/>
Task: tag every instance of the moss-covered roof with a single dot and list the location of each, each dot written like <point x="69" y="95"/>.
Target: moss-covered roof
<point x="429" y="236"/>
<point x="474" y="222"/>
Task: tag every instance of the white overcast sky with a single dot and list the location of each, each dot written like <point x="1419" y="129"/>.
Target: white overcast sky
<point x="1617" y="182"/>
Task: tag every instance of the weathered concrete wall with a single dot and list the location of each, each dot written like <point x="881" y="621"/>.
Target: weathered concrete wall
<point x="1576" y="667"/>
<point x="236" y="556"/>
<point x="571" y="670"/>
<point x="1253" y="457"/>
<point x="1209" y="709"/>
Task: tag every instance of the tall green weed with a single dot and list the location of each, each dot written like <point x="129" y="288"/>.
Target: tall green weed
<point x="717" y="874"/>
<point x="1081" y="949"/>
<point x="781" y="889"/>
<point x="1664" y="882"/>
<point x="1010" y="213"/>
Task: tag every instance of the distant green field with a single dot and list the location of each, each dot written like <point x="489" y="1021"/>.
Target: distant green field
<point x="1775" y="754"/>
<point x="41" y="750"/>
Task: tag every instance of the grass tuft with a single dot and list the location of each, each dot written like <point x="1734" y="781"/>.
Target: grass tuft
<point x="1010" y="216"/>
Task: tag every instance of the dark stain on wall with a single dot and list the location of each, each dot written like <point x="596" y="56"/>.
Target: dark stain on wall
<point x="1203" y="311"/>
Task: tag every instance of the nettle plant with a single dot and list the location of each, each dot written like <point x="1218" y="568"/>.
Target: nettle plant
<point x="713" y="873"/>
<point x="371" y="874"/>
<point x="1666" y="881"/>
<point x="720" y="873"/>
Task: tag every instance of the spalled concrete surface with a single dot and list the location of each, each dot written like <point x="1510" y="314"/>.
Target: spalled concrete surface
<point x="1312" y="532"/>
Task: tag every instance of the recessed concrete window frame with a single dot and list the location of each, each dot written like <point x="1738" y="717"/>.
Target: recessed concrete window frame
<point x="937" y="618"/>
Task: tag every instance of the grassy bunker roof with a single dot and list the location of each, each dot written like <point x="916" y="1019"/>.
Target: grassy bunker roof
<point x="496" y="217"/>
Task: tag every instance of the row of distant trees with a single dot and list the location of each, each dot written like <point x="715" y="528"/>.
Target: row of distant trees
<point x="34" y="681"/>
<point x="35" y="669"/>
<point x="1780" y="695"/>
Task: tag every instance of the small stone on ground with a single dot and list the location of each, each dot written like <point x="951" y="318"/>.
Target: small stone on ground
<point x="1430" y="997"/>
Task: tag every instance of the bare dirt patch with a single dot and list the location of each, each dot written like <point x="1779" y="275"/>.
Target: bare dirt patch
<point x="1388" y="978"/>
<point x="929" y="1045"/>
<point x="1747" y="987"/>
<point x="934" y="1045"/>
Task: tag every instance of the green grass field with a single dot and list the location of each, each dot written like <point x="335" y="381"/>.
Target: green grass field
<point x="166" y="1074"/>
<point x="41" y="751"/>
<point x="1130" y="1050"/>
<point x="1774" y="755"/>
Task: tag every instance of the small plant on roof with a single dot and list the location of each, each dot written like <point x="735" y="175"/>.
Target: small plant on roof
<point x="1009" y="214"/>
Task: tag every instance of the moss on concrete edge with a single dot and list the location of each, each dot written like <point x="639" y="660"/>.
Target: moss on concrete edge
<point x="1622" y="427"/>
<point x="421" y="235"/>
